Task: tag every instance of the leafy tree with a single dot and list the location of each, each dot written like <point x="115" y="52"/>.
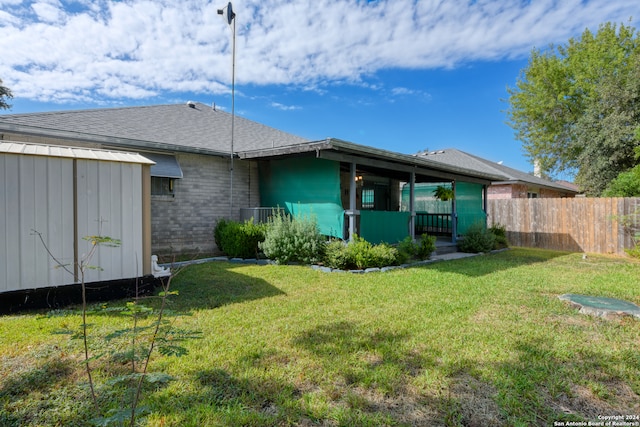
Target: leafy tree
<point x="627" y="184"/>
<point x="576" y="107"/>
<point x="5" y="95"/>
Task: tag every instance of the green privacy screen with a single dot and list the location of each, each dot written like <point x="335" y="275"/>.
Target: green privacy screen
<point x="424" y="200"/>
<point x="469" y="205"/>
<point x="305" y="187"/>
<point x="384" y="226"/>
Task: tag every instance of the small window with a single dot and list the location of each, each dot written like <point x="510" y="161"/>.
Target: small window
<point x="368" y="198"/>
<point x="532" y="195"/>
<point x="161" y="186"/>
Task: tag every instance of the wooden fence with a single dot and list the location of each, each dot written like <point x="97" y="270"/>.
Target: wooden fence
<point x="577" y="225"/>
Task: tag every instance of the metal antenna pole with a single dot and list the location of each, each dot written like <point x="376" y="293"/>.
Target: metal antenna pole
<point x="231" y="17"/>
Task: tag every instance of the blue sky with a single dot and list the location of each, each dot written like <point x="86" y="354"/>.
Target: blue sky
<point x="402" y="75"/>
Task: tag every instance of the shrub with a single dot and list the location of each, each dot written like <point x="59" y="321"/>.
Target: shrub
<point x="239" y="240"/>
<point x="477" y="239"/>
<point x="500" y="234"/>
<point x="217" y="232"/>
<point x="292" y="240"/>
<point x="420" y="249"/>
<point x="426" y="246"/>
<point x="359" y="254"/>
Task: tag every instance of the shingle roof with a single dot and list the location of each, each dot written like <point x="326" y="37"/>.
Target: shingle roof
<point x="199" y="128"/>
<point x="452" y="156"/>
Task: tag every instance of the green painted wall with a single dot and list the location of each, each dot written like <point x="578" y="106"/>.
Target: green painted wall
<point x="305" y="187"/>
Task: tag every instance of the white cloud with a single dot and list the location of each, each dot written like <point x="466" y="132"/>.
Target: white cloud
<point x="142" y="48"/>
<point x="283" y="107"/>
<point x="49" y="11"/>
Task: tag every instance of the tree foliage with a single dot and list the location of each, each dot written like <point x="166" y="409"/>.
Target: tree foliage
<point x="5" y="95"/>
<point x="576" y="107"/>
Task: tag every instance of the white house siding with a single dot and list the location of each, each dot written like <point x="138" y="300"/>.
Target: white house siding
<point x="184" y="223"/>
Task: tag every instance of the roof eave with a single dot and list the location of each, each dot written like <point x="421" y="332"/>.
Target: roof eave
<point x="105" y="140"/>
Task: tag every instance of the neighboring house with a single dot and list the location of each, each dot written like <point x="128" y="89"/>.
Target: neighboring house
<point x="515" y="184"/>
<point x="195" y="180"/>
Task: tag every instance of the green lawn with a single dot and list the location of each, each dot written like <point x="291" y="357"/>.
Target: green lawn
<point x="478" y="341"/>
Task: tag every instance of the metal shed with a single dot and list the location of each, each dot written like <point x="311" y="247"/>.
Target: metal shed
<point x="67" y="194"/>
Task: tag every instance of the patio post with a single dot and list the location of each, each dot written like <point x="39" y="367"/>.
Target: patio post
<point x="412" y="209"/>
<point x="352" y="212"/>
<point x="454" y="215"/>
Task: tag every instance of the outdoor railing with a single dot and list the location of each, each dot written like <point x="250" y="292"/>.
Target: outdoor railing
<point x="439" y="223"/>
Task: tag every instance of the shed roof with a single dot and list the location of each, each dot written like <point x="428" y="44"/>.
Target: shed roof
<point x="9" y="147"/>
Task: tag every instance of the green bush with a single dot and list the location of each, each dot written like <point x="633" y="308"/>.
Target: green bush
<point x="239" y="240"/>
<point x="478" y="239"/>
<point x="217" y="232"/>
<point x="420" y="249"/>
<point x="292" y="240"/>
<point x="500" y="234"/>
<point x="359" y="254"/>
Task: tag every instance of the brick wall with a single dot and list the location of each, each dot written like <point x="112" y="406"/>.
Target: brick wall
<point x="184" y="223"/>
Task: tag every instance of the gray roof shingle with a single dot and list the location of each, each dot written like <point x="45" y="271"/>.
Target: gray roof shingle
<point x="452" y="156"/>
<point x="200" y="128"/>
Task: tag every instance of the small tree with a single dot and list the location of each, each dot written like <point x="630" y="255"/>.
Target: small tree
<point x="5" y="94"/>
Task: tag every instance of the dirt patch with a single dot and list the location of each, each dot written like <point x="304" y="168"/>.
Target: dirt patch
<point x="583" y="402"/>
<point x="472" y="402"/>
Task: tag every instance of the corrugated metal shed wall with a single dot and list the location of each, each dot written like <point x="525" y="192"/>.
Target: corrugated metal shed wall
<point x="37" y="193"/>
<point x="110" y="204"/>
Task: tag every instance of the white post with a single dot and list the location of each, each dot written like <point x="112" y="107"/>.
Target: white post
<point x="352" y="212"/>
<point x="412" y="208"/>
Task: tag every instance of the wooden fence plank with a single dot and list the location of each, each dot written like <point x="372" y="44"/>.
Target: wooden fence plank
<point x="580" y="224"/>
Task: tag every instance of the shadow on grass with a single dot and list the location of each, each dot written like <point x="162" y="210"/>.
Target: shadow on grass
<point x="540" y="386"/>
<point x="355" y="376"/>
<point x="42" y="396"/>
<point x="216" y="284"/>
<point x="482" y="265"/>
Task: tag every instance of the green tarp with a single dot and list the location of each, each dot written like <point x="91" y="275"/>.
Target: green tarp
<point x="305" y="187"/>
<point x="469" y="206"/>
<point x="384" y="226"/>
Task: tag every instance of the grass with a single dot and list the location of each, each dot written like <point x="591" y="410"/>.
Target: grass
<point x="478" y="341"/>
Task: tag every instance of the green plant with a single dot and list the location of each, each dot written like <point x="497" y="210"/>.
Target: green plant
<point x="443" y="193"/>
<point x="239" y="240"/>
<point x="147" y="332"/>
<point x="421" y="249"/>
<point x="359" y="254"/>
<point x="426" y="246"/>
<point x="500" y="233"/>
<point x="217" y="232"/>
<point x="631" y="225"/>
<point x="289" y="239"/>
<point x="477" y="239"/>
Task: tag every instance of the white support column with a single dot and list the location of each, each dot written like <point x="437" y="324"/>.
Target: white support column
<point x="454" y="215"/>
<point x="352" y="212"/>
<point x="412" y="209"/>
